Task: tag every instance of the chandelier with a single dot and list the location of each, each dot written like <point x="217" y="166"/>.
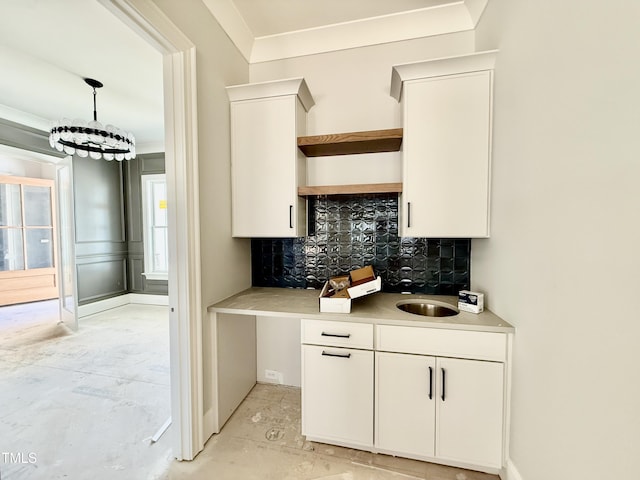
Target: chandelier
<point x="91" y="139"/>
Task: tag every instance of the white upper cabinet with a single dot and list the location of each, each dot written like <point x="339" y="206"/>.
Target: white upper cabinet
<point x="266" y="166"/>
<point x="446" y="151"/>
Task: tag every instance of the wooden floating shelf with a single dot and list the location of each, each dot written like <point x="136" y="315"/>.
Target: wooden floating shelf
<point x="350" y="189"/>
<point x="371" y="141"/>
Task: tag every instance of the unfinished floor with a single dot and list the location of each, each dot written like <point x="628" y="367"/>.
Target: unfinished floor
<point x="262" y="441"/>
<point x="85" y="405"/>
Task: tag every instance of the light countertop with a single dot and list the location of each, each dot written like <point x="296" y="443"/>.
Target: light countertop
<point x="378" y="308"/>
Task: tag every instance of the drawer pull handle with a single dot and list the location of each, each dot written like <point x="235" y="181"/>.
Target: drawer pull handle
<point x="430" y="383"/>
<point x="290" y="216"/>
<point x="408" y="214"/>
<point x="340" y="355"/>
<point x="443" y="382"/>
<point x="339" y="335"/>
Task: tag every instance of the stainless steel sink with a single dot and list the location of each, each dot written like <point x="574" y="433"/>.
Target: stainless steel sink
<point x="426" y="308"/>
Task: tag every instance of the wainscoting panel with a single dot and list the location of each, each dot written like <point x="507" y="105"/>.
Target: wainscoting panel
<point x="101" y="278"/>
<point x="145" y="164"/>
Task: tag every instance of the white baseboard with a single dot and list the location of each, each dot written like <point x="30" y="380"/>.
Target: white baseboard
<point x="511" y="472"/>
<point x="102" y="305"/>
<point x="143" y="299"/>
<point x="109" y="303"/>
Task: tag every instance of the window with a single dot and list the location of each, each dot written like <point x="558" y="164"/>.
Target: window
<point x="26" y="224"/>
<point x="154" y="221"/>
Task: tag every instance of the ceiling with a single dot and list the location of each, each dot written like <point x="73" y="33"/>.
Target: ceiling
<point x="47" y="47"/>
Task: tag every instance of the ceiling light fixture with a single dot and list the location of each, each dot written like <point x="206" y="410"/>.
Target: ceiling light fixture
<point x="91" y="139"/>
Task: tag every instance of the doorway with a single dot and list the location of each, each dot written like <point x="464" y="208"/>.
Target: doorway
<point x="28" y="234"/>
<point x="185" y="298"/>
<point x="29" y="241"/>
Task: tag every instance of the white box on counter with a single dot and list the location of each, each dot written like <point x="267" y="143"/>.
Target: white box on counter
<point x="366" y="288"/>
<point x="469" y="301"/>
<point x="362" y="282"/>
<point x="337" y="303"/>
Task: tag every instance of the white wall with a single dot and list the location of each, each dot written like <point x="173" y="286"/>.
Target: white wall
<point x="351" y="91"/>
<point x="278" y="350"/>
<point x="225" y="262"/>
<point x="25" y="168"/>
<point x="562" y="263"/>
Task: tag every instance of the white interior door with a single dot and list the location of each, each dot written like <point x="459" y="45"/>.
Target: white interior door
<point x="66" y="244"/>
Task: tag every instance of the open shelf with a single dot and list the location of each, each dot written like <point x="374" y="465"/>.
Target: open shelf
<point x="350" y="189"/>
<point x="371" y="141"/>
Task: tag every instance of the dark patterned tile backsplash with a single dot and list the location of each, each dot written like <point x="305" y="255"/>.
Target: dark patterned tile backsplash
<point x="349" y="232"/>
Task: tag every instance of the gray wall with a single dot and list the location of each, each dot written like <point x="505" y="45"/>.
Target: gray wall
<point x="109" y="232"/>
<point x="141" y="165"/>
<point x="101" y="247"/>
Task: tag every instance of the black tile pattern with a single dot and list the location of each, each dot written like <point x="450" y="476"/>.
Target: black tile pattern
<point x="348" y="232"/>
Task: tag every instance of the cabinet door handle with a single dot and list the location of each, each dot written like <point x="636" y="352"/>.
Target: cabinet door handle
<point x="430" y="383"/>
<point x="443" y="382"/>
<point x="339" y="335"/>
<point x="339" y="355"/>
<point x="290" y="216"/>
<point x="408" y="214"/>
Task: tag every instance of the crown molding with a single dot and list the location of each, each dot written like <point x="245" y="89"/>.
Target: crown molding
<point x="436" y="67"/>
<point x="24" y="118"/>
<point x="457" y="16"/>
<point x="229" y="18"/>
<point x="26" y="137"/>
<point x="408" y="25"/>
<point x="475" y="9"/>
<point x="274" y="88"/>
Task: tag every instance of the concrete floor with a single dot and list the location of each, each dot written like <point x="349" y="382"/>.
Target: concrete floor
<point x="83" y="405"/>
<point x="262" y="441"/>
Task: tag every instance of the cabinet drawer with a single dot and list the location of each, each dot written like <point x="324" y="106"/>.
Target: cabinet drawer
<point x="338" y="334"/>
<point x="443" y="343"/>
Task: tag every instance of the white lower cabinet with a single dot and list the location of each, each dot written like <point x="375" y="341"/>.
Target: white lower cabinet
<point x="337" y="382"/>
<point x="440" y="408"/>
<point x="405" y="403"/>
<point x="426" y="393"/>
<point x="337" y="395"/>
<point x="469" y="411"/>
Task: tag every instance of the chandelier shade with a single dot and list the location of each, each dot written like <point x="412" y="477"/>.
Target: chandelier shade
<point x="92" y="139"/>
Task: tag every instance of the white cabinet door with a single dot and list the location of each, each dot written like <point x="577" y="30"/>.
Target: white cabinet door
<point x="469" y="426"/>
<point x="337" y="395"/>
<point x="441" y="408"/>
<point x="405" y="403"/>
<point x="267" y="167"/>
<point x="446" y="156"/>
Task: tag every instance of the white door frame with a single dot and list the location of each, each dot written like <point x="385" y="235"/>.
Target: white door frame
<point x="181" y="162"/>
<point x="66" y="238"/>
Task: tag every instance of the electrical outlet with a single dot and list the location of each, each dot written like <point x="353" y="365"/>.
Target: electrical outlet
<point x="273" y="375"/>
